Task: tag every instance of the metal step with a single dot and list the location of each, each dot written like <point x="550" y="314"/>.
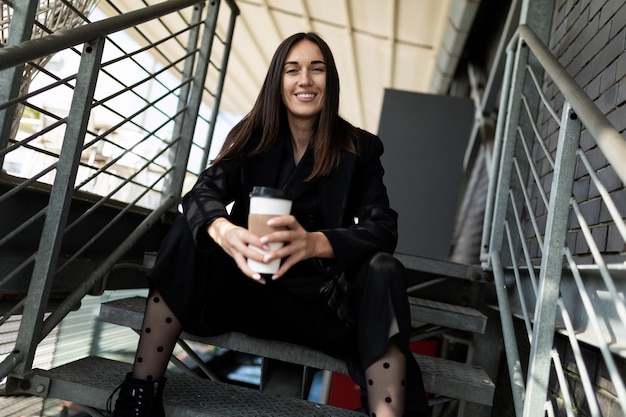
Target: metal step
<point x="422" y="311"/>
<point x="441" y="377"/>
<point x="90" y="382"/>
<point x="447" y="315"/>
<point x="444" y="268"/>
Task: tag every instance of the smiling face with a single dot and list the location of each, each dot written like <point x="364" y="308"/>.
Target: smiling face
<point x="304" y="81"/>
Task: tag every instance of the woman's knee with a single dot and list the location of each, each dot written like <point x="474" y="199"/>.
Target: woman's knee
<point x="385" y="264"/>
<point x="380" y="274"/>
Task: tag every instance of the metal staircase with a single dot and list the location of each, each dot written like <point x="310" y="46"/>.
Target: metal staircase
<point x="442" y="377"/>
<point x="104" y="196"/>
<point x="84" y="205"/>
<point x="90" y="381"/>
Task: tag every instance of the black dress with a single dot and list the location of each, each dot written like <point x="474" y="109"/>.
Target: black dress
<point x="209" y="294"/>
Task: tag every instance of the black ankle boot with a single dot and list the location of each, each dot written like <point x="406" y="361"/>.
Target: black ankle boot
<point x="138" y="398"/>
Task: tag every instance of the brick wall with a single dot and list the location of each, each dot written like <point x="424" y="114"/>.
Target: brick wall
<point x="589" y="39"/>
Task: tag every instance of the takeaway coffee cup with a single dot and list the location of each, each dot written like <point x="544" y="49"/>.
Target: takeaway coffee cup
<point x="265" y="203"/>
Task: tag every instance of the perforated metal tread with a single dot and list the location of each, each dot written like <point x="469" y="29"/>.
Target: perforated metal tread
<point x="441" y="377"/>
<point x="456" y="380"/>
<point x="443" y="268"/>
<point x="91" y="380"/>
<point x="447" y="315"/>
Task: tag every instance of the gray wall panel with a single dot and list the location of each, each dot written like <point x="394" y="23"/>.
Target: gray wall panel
<point x="425" y="137"/>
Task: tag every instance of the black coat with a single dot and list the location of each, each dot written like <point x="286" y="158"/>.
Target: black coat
<point x="209" y="295"/>
<point x="354" y="190"/>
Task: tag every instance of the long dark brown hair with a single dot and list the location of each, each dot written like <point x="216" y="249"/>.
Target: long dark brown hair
<point x="269" y="114"/>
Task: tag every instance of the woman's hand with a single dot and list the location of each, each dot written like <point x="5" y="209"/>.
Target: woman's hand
<point x="299" y="244"/>
<point x="234" y="240"/>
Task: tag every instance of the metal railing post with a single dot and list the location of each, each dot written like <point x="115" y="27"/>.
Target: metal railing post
<point x="183" y="97"/>
<point x="538" y="13"/>
<point x="58" y="209"/>
<point x="494" y="166"/>
<point x="220" y="88"/>
<point x="516" y="374"/>
<point x="552" y="263"/>
<point x="504" y="165"/>
<point x="176" y="180"/>
<point x="21" y="29"/>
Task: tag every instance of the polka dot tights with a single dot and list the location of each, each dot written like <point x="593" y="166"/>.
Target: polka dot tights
<point x="160" y="331"/>
<point x="386" y="383"/>
<point x="158" y="337"/>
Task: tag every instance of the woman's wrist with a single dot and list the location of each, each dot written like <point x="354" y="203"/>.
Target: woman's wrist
<point x="217" y="228"/>
<point x="321" y="246"/>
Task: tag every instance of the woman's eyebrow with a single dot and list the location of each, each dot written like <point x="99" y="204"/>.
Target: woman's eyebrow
<point x="312" y="62"/>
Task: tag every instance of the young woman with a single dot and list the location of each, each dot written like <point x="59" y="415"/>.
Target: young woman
<point x="338" y="289"/>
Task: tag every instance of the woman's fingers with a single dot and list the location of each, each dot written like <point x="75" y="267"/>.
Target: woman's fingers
<point x="295" y="239"/>
<point x="236" y="241"/>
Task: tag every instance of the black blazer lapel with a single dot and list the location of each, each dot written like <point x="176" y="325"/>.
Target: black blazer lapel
<point x="296" y="186"/>
<point x="261" y="169"/>
<point x="334" y="191"/>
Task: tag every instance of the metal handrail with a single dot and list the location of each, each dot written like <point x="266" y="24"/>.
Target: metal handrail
<point x="516" y="219"/>
<point x="24" y="52"/>
<point x="608" y="138"/>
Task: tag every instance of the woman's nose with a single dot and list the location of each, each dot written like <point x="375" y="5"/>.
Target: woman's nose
<point x="305" y="78"/>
